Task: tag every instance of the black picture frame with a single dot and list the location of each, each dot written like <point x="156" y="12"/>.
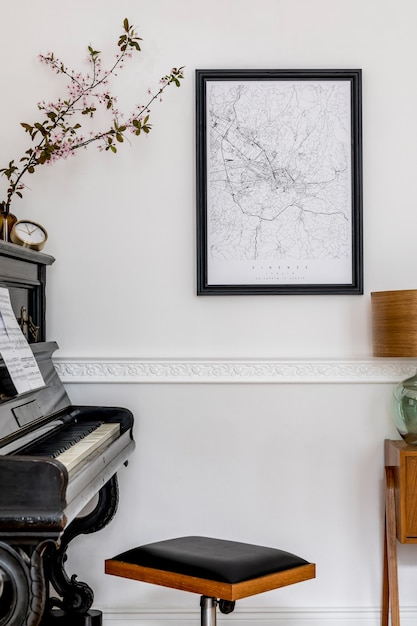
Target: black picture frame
<point x="279" y="181"/>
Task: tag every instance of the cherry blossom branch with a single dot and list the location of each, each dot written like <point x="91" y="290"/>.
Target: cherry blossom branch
<point x="59" y="134"/>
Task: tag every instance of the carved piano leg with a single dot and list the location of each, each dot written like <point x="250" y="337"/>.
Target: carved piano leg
<point x="76" y="598"/>
<point x="22" y="584"/>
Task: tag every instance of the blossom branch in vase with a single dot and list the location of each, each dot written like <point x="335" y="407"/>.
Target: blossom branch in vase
<point x="59" y="134"/>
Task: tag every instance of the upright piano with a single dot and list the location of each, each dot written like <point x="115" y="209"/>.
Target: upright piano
<point x="55" y="458"/>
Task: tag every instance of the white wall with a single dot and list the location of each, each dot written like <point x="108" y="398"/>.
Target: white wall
<point x="295" y="465"/>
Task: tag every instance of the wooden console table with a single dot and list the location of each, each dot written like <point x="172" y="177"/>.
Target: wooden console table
<point x="400" y="518"/>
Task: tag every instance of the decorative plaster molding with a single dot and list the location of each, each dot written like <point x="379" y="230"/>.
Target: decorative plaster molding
<point x="86" y="370"/>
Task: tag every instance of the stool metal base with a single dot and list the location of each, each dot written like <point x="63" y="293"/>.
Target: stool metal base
<point x="208" y="611"/>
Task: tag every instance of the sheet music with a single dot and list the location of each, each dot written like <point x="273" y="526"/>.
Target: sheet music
<point x="15" y="350"/>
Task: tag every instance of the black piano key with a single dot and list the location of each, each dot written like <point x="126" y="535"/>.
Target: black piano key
<point x="61" y="440"/>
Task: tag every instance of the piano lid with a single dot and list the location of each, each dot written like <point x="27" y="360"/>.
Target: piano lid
<point x="19" y="414"/>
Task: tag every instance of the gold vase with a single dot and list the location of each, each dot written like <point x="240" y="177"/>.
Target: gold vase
<point x="6" y="223"/>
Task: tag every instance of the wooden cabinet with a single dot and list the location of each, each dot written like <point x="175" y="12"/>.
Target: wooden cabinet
<point x="400" y="518"/>
<point x="402" y="459"/>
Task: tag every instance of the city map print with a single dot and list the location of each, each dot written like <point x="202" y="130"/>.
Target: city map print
<point x="279" y="199"/>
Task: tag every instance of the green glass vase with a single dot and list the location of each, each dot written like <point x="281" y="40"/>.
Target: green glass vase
<point x="404" y="409"/>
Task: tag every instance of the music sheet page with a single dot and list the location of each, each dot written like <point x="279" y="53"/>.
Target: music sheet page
<point x="15" y="350"/>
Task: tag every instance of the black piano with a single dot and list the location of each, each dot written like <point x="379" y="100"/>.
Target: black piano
<point x="55" y="458"/>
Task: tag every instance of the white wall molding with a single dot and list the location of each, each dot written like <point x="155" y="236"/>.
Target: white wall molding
<point x="86" y="370"/>
<point x="253" y="617"/>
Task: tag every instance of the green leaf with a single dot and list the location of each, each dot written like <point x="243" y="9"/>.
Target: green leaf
<point x="92" y="52"/>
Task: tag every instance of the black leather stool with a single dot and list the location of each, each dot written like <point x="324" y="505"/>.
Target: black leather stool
<point x="214" y="568"/>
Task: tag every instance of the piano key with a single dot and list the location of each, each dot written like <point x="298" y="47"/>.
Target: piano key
<point x="61" y="439"/>
<point x="76" y="455"/>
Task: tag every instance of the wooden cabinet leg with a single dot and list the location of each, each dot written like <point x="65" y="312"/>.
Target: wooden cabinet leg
<point x="385" y="585"/>
<point x="390" y="575"/>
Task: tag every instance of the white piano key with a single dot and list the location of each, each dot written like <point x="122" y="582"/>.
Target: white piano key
<point x="79" y="452"/>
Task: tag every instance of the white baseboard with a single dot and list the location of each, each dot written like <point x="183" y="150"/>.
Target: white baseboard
<point x="255" y="617"/>
<point x="86" y="370"/>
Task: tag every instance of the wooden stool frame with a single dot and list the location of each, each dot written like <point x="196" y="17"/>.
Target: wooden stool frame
<point x="211" y="588"/>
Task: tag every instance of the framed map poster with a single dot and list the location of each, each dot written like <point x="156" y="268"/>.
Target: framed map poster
<point x="279" y="182"/>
